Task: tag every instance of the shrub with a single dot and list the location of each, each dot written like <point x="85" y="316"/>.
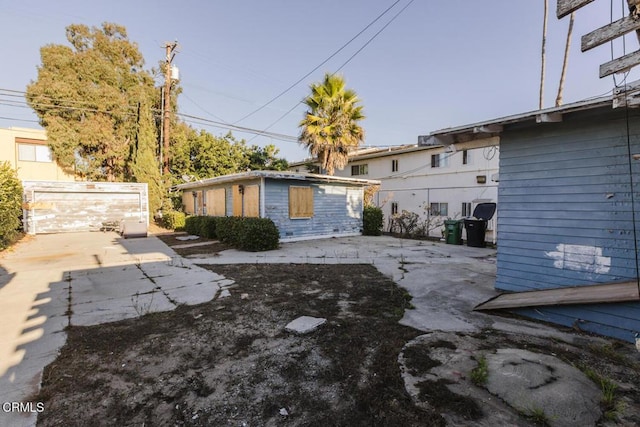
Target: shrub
<point x="247" y="234"/>
<point x="372" y="221"/>
<point x="224" y="228"/>
<point x="192" y="225"/>
<point x="207" y="227"/>
<point x="258" y="234"/>
<point x="10" y="205"/>
<point x="173" y="220"/>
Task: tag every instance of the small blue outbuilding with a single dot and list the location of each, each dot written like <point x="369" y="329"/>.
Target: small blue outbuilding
<point x="569" y="214"/>
<point x="302" y="205"/>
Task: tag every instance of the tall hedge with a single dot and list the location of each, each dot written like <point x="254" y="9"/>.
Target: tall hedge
<point x="247" y="234"/>
<point x="372" y="221"/>
<point x="258" y="234"/>
<point x="173" y="220"/>
<point x="10" y="204"/>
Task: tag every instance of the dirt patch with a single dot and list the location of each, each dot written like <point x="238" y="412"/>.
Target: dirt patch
<point x="230" y="361"/>
<point x="213" y="248"/>
<point x="439" y="374"/>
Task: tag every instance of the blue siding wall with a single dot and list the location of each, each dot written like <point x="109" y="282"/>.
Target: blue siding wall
<point x="565" y="214"/>
<point x="337" y="209"/>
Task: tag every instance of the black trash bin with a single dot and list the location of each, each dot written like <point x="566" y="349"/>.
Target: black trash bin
<point x="477" y="226"/>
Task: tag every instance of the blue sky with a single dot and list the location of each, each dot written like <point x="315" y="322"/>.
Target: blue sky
<point x="439" y="64"/>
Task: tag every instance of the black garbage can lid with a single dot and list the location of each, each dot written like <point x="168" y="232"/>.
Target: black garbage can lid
<point x="484" y="211"/>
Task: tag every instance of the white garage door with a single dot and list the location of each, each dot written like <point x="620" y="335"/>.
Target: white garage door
<point x="82" y="206"/>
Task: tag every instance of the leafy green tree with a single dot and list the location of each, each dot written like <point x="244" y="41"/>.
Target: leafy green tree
<point x="265" y="158"/>
<point x="330" y="128"/>
<point x="201" y="155"/>
<point x="10" y="204"/>
<point x="86" y="97"/>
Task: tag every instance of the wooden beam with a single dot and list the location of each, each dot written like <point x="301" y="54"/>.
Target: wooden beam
<point x="621" y="64"/>
<point x="565" y="7"/>
<point x="591" y="294"/>
<point x="609" y="32"/>
<point x="627" y="95"/>
<point x="548" y="118"/>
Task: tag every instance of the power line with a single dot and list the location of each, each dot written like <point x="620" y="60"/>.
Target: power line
<point x="343" y="64"/>
<point x="319" y="65"/>
<point x="202" y="108"/>
<point x="202" y="120"/>
<point x="192" y="118"/>
<point x="19" y="120"/>
<point x="374" y="36"/>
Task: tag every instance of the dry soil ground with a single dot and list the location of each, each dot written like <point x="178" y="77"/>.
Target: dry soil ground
<point x="230" y="362"/>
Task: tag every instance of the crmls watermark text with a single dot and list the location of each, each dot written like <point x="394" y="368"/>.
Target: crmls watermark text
<point x="23" y="407"/>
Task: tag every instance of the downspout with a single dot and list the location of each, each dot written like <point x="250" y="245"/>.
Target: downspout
<point x="33" y="210"/>
<point x="261" y="202"/>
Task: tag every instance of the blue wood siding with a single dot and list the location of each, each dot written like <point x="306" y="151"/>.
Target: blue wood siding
<point x="337" y="209"/>
<point x="566" y="215"/>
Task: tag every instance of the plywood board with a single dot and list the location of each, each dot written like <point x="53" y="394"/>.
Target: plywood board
<point x="216" y="202"/>
<point x="300" y="202"/>
<point x="251" y="201"/>
<point x="236" y="198"/>
<point x="592" y="294"/>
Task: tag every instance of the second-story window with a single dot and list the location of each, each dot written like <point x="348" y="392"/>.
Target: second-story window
<point x="394" y="165"/>
<point x="359" y="170"/>
<point x="439" y="160"/>
<point x="34" y="153"/>
<point x="466" y="157"/>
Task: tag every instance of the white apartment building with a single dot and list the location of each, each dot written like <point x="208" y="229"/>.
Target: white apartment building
<point x="437" y="182"/>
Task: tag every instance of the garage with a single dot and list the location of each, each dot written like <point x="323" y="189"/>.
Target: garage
<point x="60" y="207"/>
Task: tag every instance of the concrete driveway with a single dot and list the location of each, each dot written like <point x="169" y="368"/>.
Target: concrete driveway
<point x="48" y="282"/>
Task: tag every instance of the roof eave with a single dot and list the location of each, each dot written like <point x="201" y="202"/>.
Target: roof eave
<point x="285" y="175"/>
<point x="492" y="128"/>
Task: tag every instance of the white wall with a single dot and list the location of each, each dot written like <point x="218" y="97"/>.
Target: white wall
<point x="416" y="184"/>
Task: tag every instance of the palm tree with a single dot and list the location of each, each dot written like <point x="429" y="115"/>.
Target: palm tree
<point x="330" y="128"/>
<point x="544" y="43"/>
<point x="565" y="62"/>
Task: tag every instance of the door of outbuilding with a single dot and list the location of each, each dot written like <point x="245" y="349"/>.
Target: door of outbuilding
<point x="58" y="207"/>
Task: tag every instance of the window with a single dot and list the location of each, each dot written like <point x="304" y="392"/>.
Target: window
<point x="359" y="169"/>
<point x="439" y="209"/>
<point x="394" y="165"/>
<point x="439" y="160"/>
<point x="300" y="202"/>
<point x="466" y="209"/>
<point x="394" y="208"/>
<point x="34" y="153"/>
<point x="466" y="157"/>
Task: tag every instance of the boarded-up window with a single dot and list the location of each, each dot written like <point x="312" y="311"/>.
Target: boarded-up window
<point x="300" y="202"/>
<point x="237" y="200"/>
<point x="251" y="201"/>
<point x="216" y="202"/>
<point x="199" y="200"/>
<point x="187" y="201"/>
<point x="246" y="200"/>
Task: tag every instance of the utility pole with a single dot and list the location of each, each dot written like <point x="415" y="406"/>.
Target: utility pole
<point x="170" y="47"/>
